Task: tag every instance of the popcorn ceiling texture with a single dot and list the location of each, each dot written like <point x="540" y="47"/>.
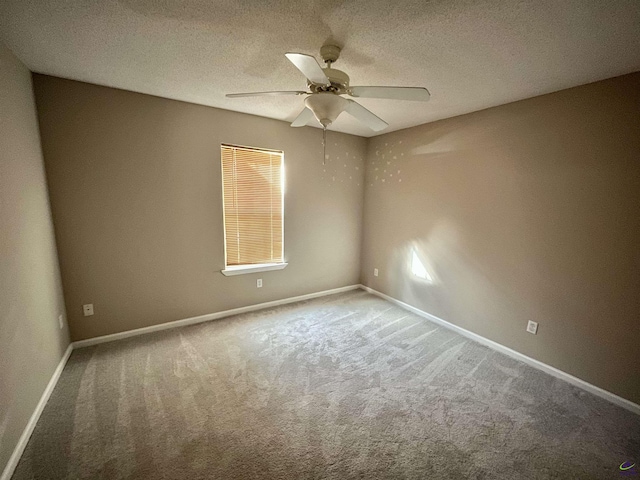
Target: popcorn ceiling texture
<point x="470" y="54"/>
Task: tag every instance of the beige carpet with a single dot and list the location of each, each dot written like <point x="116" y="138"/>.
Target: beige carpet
<point x="342" y="387"/>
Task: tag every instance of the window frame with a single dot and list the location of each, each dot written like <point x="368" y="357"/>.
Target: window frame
<point x="232" y="270"/>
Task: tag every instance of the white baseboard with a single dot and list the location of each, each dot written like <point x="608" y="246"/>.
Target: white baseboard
<point x="28" y="430"/>
<point x="205" y="318"/>
<point x="611" y="397"/>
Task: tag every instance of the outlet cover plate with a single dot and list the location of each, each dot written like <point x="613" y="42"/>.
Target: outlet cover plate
<point x="532" y="327"/>
<point x="87" y="309"/>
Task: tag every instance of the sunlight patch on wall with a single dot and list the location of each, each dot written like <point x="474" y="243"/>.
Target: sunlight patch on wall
<point x="418" y="269"/>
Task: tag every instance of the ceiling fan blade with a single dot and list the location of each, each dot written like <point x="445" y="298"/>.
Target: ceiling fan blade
<point x="268" y="94"/>
<point x="419" y="94"/>
<point x="303" y="118"/>
<point x="309" y="67"/>
<point x="371" y="120"/>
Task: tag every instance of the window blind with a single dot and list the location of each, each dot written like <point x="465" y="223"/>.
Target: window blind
<point x="253" y="205"/>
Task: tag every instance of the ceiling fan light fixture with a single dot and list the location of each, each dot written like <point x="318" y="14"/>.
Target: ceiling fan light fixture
<point x="326" y="106"/>
<point x="326" y="87"/>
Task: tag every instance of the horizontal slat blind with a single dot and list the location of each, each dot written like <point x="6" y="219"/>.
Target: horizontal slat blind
<point x="252" y="195"/>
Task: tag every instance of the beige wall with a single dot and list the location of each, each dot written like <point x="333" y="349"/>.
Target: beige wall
<point x="527" y="211"/>
<point x="136" y="197"/>
<point x="31" y="342"/>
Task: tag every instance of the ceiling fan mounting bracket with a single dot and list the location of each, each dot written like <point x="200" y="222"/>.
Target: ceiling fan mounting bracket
<point x="330" y="53"/>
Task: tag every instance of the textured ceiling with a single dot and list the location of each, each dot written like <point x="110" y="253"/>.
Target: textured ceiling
<point x="471" y="54"/>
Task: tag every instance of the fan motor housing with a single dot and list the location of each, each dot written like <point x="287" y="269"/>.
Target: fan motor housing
<point x="339" y="82"/>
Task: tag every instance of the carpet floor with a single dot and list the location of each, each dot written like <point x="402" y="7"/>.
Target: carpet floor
<point x="342" y="387"/>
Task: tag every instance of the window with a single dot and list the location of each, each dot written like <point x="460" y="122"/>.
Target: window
<point x="252" y="186"/>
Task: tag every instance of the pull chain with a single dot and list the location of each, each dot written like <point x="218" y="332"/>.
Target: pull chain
<point x="324" y="144"/>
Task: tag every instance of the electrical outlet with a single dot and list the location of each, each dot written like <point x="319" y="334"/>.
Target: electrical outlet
<point x="532" y="327"/>
<point x="375" y="272"/>
<point x="87" y="309"/>
<point x="259" y="283"/>
<point x="61" y="321"/>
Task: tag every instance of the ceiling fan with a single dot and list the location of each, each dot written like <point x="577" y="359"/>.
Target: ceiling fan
<point x="324" y="99"/>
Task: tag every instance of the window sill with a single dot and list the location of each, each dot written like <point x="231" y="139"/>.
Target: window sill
<point x="262" y="267"/>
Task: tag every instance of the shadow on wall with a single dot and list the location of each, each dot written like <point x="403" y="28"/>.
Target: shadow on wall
<point x="443" y="139"/>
